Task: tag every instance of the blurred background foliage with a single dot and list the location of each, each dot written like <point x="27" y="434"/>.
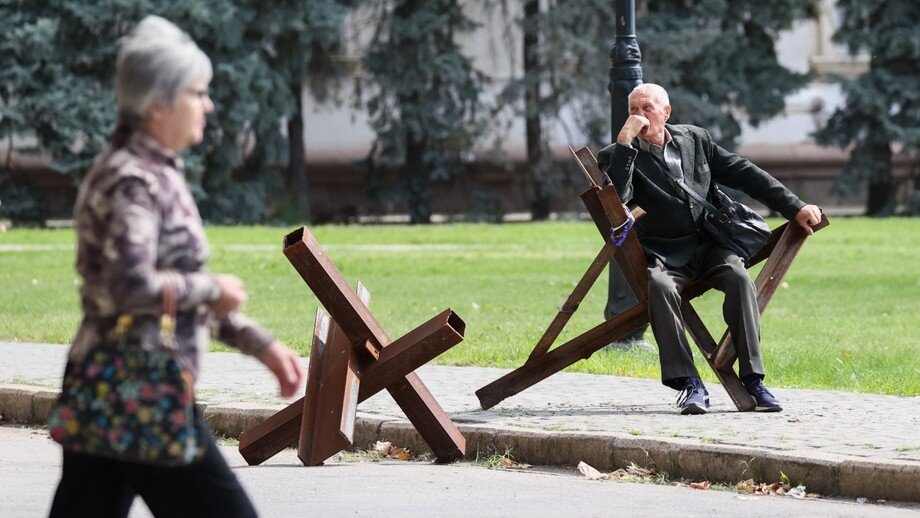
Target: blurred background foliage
<point x="426" y="103"/>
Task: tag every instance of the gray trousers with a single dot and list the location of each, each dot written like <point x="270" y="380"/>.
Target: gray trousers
<point x="724" y="271"/>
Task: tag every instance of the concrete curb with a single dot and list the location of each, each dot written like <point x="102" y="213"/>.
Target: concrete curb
<point x="826" y="474"/>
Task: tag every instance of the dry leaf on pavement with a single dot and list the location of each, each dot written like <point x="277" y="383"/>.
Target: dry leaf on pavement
<point x="746" y="486"/>
<point x="386" y="449"/>
<point x="619" y="474"/>
<point x="382" y="448"/>
<point x="701" y="485"/>
<point x="400" y="454"/>
<point x="589" y="471"/>
<point x="634" y="469"/>
<point x="507" y="463"/>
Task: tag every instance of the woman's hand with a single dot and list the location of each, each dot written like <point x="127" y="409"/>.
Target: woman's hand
<point x="285" y="365"/>
<point x="232" y="295"/>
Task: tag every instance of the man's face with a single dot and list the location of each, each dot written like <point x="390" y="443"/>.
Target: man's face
<point x="647" y="105"/>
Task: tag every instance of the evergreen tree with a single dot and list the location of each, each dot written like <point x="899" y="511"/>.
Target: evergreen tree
<point x="422" y="96"/>
<point x="717" y="59"/>
<point x="57" y="64"/>
<point x="564" y="48"/>
<point x="883" y="104"/>
<point x="54" y="97"/>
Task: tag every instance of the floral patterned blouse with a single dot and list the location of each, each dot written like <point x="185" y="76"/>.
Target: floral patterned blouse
<point x="136" y="221"/>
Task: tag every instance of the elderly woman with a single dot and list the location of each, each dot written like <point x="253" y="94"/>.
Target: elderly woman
<point x="138" y="229"/>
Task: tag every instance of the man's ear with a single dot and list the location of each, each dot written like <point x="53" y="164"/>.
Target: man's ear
<point x="667" y="112"/>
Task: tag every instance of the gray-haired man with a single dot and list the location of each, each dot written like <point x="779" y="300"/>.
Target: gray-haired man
<point x="644" y="164"/>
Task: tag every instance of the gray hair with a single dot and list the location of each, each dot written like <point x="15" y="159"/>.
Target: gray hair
<point x="155" y="63"/>
<point x="651" y="88"/>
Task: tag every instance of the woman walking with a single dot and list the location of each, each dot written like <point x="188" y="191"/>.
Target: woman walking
<point x="141" y="253"/>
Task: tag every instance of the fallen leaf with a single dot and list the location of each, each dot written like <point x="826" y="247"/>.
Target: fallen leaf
<point x="701" y="485"/>
<point x="589" y="471"/>
<point x="746" y="486"/>
<point x="634" y="469"/>
<point x="774" y="488"/>
<point x="400" y="454"/>
<point x="507" y="463"/>
<point x="619" y="474"/>
<point x="382" y="448"/>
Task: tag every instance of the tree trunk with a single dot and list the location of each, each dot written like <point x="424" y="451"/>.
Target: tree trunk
<point x="297" y="161"/>
<point x="415" y="179"/>
<point x="536" y="150"/>
<point x="880" y="192"/>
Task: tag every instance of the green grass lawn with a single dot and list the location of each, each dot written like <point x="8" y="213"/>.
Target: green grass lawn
<point x="846" y="318"/>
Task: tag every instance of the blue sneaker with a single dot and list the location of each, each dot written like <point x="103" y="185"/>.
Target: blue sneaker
<point x="766" y="402"/>
<point x="694" y="398"/>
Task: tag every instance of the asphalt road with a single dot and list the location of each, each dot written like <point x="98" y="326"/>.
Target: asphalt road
<point x="30" y="464"/>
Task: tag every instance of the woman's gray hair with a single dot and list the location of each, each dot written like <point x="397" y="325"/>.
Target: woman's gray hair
<point x="155" y="63"/>
<point x="651" y="88"/>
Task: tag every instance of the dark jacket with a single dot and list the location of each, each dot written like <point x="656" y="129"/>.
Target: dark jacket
<point x="670" y="230"/>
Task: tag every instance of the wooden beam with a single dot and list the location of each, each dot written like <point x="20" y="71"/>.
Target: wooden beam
<point x="333" y="291"/>
<point x="572" y="301"/>
<point x="428" y="418"/>
<point x="411" y="351"/>
<point x="435" y="336"/>
<point x="330" y="404"/>
<point x="578" y="348"/>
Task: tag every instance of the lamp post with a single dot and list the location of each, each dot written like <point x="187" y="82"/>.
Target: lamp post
<point x="625" y="63"/>
<point x="625" y="74"/>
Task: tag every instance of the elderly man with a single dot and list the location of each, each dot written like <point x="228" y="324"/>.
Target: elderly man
<point x="647" y="164"/>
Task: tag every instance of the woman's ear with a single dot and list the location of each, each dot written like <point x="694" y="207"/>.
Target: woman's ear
<point x="156" y="111"/>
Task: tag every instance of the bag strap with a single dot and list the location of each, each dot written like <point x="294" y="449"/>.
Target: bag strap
<point x="690" y="192"/>
<point x="170" y="305"/>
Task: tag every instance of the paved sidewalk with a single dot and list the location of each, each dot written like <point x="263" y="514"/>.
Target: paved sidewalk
<point x="837" y="442"/>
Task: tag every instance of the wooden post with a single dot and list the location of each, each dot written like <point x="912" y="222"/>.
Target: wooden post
<point x="352" y="359"/>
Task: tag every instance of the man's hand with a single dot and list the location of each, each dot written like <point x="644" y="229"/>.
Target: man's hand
<point x="632" y="127"/>
<point x="232" y="295"/>
<point x="807" y="217"/>
<point x="285" y="365"/>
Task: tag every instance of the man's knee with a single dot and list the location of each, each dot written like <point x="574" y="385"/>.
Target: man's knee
<point x="661" y="285"/>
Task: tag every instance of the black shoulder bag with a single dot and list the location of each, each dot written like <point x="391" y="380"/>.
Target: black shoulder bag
<point x="730" y="224"/>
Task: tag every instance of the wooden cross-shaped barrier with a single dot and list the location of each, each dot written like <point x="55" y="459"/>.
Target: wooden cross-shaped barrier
<point x="607" y="211"/>
<point x="351" y="360"/>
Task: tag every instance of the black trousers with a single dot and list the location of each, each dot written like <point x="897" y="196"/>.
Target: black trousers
<point x="724" y="271"/>
<point x="98" y="487"/>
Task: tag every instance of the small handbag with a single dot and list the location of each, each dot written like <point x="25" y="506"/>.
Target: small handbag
<point x="129" y="403"/>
